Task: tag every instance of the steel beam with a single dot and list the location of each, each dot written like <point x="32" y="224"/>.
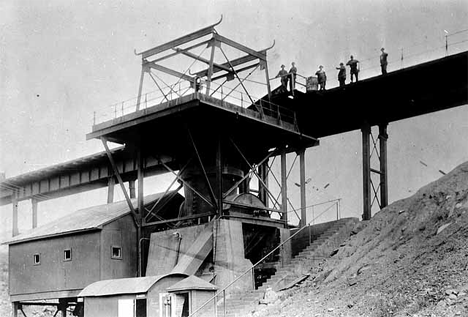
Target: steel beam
<point x="210" y="69"/>
<point x="302" y="181"/>
<point x="245" y="49"/>
<point x="366" y="172"/>
<point x="234" y="63"/>
<point x="171" y="72"/>
<point x="179" y="41"/>
<point x="383" y="137"/>
<point x="140" y="87"/>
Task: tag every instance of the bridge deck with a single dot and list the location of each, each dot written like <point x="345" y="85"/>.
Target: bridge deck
<point x="418" y="90"/>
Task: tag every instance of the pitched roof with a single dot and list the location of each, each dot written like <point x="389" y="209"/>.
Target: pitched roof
<point x="92" y="218"/>
<point x="134" y="285"/>
<point x="192" y="283"/>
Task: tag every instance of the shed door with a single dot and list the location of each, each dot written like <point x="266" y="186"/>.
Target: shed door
<point x="126" y="308"/>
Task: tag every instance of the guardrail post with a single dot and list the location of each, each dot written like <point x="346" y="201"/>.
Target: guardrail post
<point x="146" y="101"/>
<point x="94" y="118"/>
<point x="122" y="108"/>
<point x="115" y="111"/>
<point x="224" y="302"/>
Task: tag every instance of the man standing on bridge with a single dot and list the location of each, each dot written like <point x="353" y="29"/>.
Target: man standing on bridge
<point x="321" y="77"/>
<point x="292" y="73"/>
<point x="342" y="74"/>
<point x="353" y="65"/>
<point x="284" y="77"/>
<point x="383" y="61"/>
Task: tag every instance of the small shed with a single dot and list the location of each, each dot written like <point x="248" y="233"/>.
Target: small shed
<point x="129" y="297"/>
<point x="189" y="295"/>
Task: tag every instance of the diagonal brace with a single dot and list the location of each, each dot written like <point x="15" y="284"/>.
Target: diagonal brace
<point x="134" y="213"/>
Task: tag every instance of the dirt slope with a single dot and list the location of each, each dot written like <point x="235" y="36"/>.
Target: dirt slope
<point x="411" y="259"/>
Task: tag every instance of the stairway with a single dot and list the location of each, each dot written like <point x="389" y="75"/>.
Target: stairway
<point x="240" y="304"/>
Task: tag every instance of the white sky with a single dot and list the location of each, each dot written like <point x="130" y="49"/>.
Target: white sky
<point x="62" y="60"/>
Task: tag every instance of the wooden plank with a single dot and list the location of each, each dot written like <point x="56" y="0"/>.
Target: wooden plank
<point x="234" y="203"/>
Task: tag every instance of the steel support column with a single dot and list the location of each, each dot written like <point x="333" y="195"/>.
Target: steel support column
<point x="219" y="175"/>
<point x="131" y="188"/>
<point x="34" y="204"/>
<point x="110" y="190"/>
<point x="14" y="201"/>
<point x="141" y="209"/>
<point x="366" y="172"/>
<point x="383" y="137"/>
<point x="284" y="187"/>
<point x="303" y="220"/>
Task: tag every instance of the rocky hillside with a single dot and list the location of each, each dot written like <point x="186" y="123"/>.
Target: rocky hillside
<point x="411" y="259"/>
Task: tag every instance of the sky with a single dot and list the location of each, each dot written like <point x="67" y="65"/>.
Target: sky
<point x="61" y="61"/>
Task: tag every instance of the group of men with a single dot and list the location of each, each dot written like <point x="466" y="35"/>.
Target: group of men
<point x="286" y="75"/>
<point x="322" y="76"/>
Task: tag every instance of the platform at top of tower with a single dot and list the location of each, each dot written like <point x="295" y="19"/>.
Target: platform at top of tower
<point x="164" y="125"/>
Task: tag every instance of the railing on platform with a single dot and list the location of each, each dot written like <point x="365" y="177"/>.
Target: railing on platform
<point x="227" y="95"/>
<point x="222" y="293"/>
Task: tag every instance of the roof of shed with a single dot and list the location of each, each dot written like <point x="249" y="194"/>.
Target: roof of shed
<point x="92" y="218"/>
<point x="192" y="283"/>
<point x="134" y="285"/>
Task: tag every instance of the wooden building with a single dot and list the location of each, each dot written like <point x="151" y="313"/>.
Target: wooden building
<point x="61" y="258"/>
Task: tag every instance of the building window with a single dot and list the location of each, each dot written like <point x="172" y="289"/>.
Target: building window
<point x="67" y="255"/>
<point x="37" y="259"/>
<point x="116" y="252"/>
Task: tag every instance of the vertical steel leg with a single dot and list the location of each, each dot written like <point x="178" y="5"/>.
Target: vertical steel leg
<point x="383" y="137"/>
<point x="303" y="220"/>
<point x="284" y="187"/>
<point x="34" y="204"/>
<point x="366" y="172"/>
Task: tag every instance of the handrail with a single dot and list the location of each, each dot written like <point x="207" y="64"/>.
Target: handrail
<point x="256" y="264"/>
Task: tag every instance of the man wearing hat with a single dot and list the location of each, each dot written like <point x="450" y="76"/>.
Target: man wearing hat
<point x="284" y="76"/>
<point x="341" y="74"/>
<point x="383" y="61"/>
<point x="321" y="77"/>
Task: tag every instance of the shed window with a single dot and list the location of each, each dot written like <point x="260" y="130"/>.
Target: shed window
<point x="67" y="255"/>
<point x="37" y="259"/>
<point x="116" y="252"/>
